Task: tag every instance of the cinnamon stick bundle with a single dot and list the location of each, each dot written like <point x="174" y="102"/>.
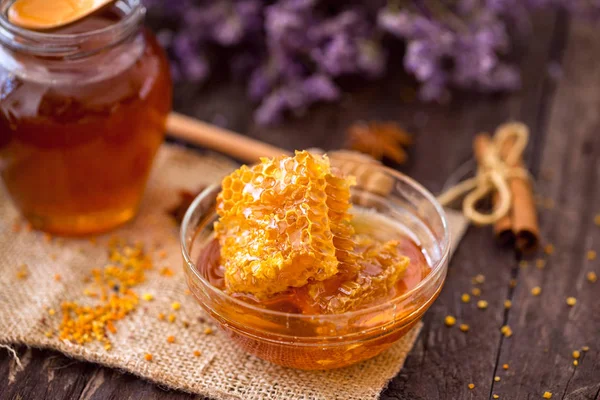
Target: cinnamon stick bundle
<point x="520" y="226"/>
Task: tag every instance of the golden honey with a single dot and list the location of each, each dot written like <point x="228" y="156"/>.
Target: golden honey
<point x="300" y="300"/>
<point x="80" y="125"/>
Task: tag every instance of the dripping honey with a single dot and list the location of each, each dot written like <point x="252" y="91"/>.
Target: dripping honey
<point x="75" y="152"/>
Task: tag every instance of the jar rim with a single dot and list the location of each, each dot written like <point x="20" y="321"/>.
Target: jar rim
<point x="71" y="44"/>
<point x="436" y="268"/>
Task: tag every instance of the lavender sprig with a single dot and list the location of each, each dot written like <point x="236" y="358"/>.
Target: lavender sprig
<point x="292" y="51"/>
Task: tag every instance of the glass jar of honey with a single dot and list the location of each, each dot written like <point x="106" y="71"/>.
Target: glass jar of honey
<point x="82" y="114"/>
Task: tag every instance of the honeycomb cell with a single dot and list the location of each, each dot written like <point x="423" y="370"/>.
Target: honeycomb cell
<point x="375" y="275"/>
<point x="283" y="222"/>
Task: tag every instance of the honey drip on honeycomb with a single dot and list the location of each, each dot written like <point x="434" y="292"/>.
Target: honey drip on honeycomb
<point x="285" y="223"/>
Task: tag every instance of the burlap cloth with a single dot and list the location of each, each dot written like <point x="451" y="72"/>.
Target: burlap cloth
<point x="221" y="371"/>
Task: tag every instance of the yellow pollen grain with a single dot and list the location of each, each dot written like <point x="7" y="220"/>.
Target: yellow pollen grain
<point x="540" y="263"/>
<point x="187" y="292"/>
<point x="591" y="255"/>
<point x="585" y="348"/>
<point x="536" y="291"/>
<point x="148" y="357"/>
<point x="547" y="395"/>
<point x="208" y="331"/>
<point x="597" y="219"/>
<point x="23" y="271"/>
<point x="505" y="367"/>
<point x="591" y="277"/>
<point x="576" y="354"/>
<point x="506" y="331"/>
<point x="476" y="292"/>
<point x="464" y="327"/>
<point x="48" y="334"/>
<point x="507" y="304"/>
<point x="197" y="353"/>
<point x="161" y="316"/>
<point x="571" y="301"/>
<point x="449" y="320"/>
<point x="148" y="296"/>
<point x="176" y="305"/>
<point x="575" y="362"/>
<point x="115" y="297"/>
<point x="57" y="277"/>
<point x="471" y="386"/>
<point x="482" y="304"/>
<point x="495" y="396"/>
<point x="465" y="298"/>
<point x="478" y="279"/>
<point x="171" y="318"/>
<point x="171" y="339"/>
<point x="52" y="311"/>
<point x="166" y="271"/>
<point x="549" y="249"/>
<point x="496" y="379"/>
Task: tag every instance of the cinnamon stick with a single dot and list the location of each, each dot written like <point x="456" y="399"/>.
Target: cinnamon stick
<point x="520" y="227"/>
<point x="523" y="216"/>
<point x="503" y="227"/>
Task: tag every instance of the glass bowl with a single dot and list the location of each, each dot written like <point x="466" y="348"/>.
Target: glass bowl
<point x="325" y="341"/>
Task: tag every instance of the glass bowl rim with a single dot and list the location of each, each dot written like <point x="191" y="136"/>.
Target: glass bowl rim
<point x="435" y="269"/>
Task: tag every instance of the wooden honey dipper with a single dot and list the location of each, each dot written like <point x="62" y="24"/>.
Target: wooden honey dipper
<point x="362" y="166"/>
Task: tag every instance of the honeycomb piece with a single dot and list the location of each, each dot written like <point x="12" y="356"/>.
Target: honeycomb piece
<point x="380" y="266"/>
<point x="283" y="223"/>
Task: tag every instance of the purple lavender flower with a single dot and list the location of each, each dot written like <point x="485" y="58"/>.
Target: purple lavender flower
<point x="291" y="51"/>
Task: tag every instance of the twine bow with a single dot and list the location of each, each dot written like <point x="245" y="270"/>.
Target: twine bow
<point x="497" y="165"/>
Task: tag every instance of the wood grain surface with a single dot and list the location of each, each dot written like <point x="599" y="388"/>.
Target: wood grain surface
<point x="564" y="117"/>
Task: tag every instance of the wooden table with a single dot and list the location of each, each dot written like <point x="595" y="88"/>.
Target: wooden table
<point x="564" y="117"/>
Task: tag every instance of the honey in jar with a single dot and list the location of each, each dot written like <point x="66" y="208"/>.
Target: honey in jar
<point x="82" y="114"/>
<point x="298" y="275"/>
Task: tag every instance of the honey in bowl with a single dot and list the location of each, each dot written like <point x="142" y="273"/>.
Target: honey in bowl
<point x="300" y="300"/>
<point x="82" y="114"/>
<point x="305" y="272"/>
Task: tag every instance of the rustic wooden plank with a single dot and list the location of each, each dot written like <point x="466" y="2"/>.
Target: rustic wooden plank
<point x="546" y="330"/>
<point x="50" y="375"/>
<point x="46" y="375"/>
<point x="445" y="361"/>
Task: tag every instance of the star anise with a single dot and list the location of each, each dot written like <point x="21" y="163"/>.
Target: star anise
<point x="186" y="198"/>
<point x="379" y="140"/>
